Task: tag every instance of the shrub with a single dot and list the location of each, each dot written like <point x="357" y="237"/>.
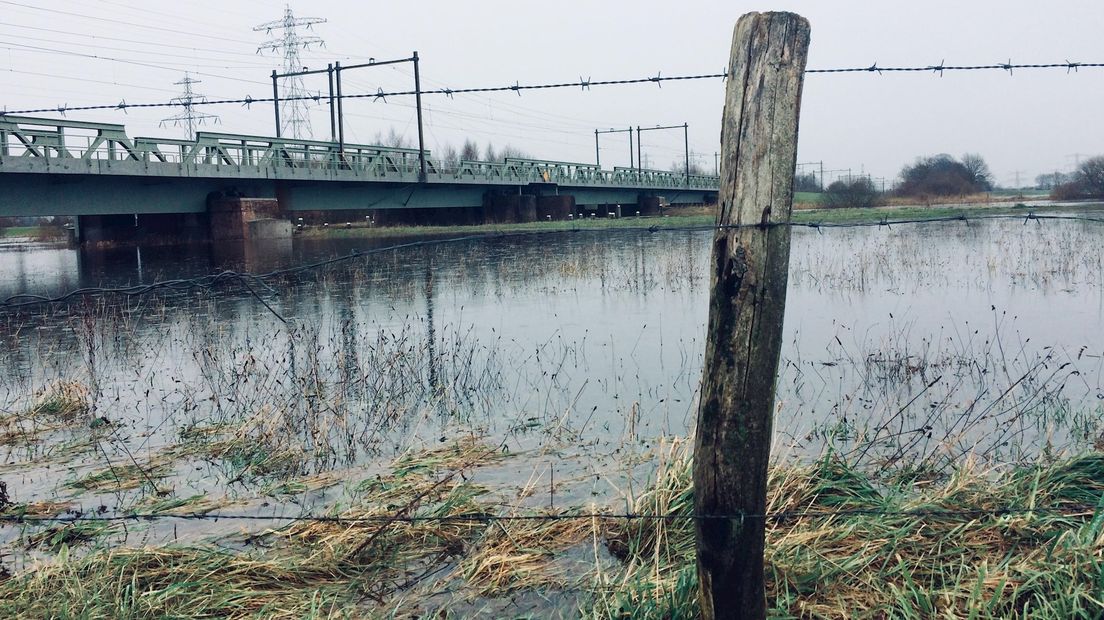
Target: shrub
<point x="857" y="193"/>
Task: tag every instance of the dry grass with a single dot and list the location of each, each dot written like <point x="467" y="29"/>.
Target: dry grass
<point x="60" y="405"/>
<point x="1033" y="564"/>
<point x="878" y="561"/>
<point x="309" y="569"/>
<point x="524" y="554"/>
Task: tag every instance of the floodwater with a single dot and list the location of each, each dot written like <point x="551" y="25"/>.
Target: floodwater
<point x="921" y="343"/>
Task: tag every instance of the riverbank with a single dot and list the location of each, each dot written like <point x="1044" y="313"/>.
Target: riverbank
<point x="682" y="217"/>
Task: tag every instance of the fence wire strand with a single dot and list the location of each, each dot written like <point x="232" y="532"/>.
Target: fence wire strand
<point x="583" y="85"/>
<point x="1068" y="510"/>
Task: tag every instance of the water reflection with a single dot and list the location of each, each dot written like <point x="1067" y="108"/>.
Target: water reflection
<point x="917" y="341"/>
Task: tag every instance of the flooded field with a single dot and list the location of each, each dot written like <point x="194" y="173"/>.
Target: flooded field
<point x="574" y="358"/>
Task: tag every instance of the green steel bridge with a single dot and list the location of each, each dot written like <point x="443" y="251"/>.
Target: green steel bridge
<point x="64" y="167"/>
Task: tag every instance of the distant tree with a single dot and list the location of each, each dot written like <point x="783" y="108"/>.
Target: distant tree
<point x="510" y="152"/>
<point x="978" y="171"/>
<point x="450" y="158"/>
<point x="943" y="175"/>
<point x="1091" y="176"/>
<point x="807" y="183"/>
<point x="1051" y="180"/>
<point x="1087" y="182"/>
<point x="680" y="167"/>
<point x="393" y="139"/>
<point x="489" y="153"/>
<point x="470" y="150"/>
<point x="857" y="193"/>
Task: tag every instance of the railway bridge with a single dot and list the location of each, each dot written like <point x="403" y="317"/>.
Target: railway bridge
<point x="216" y="185"/>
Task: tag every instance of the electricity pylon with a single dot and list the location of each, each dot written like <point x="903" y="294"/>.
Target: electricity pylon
<point x="189" y="118"/>
<point x="296" y="119"/>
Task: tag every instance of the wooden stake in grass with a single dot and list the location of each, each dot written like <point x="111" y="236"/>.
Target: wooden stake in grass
<point x="747" y="302"/>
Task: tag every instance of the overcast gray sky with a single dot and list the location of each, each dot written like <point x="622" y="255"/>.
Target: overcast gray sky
<point x="1030" y="122"/>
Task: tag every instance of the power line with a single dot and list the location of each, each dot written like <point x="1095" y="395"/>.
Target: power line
<point x="175" y="67"/>
<point x="221" y="53"/>
<point x="119" y="21"/>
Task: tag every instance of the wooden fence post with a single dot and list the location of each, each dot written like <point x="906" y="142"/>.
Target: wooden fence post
<point x="751" y="253"/>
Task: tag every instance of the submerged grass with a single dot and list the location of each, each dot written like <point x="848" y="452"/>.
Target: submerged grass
<point x="882" y="560"/>
<point x="60" y="405"/>
<point x="124" y="477"/>
<point x="304" y="570"/>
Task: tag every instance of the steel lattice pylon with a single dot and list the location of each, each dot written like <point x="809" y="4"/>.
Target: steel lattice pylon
<point x="189" y="118"/>
<point x="296" y="120"/>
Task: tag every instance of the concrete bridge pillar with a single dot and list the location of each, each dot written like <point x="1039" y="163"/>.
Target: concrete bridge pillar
<point x="649" y="205"/>
<point x="235" y="217"/>
<point x="558" y="207"/>
<point x="509" y="208"/>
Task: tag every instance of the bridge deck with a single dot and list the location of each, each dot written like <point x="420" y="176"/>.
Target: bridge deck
<point x="50" y="146"/>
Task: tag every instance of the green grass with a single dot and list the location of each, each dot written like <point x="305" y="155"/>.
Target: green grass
<point x="695" y="218"/>
<point x="808" y="197"/>
<point x="19" y="231"/>
<point x="877" y="214"/>
<point x="34" y="232"/>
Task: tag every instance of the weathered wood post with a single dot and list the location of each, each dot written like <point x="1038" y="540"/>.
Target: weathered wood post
<point x="751" y="253"/>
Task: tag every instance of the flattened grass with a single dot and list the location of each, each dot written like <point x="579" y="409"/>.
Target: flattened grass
<point x="307" y="569"/>
<point x="883" y="554"/>
<point x="886" y="558"/>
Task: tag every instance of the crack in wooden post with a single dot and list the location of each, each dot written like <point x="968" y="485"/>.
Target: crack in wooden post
<point x="747" y="304"/>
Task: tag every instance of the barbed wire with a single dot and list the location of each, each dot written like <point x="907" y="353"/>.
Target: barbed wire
<point x="211" y="281"/>
<point x="1068" y="510"/>
<point x="582" y="84"/>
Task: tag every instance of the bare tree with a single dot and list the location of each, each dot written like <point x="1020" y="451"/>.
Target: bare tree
<point x="450" y="158"/>
<point x="680" y="167"/>
<point x="942" y="175"/>
<point x="978" y="171"/>
<point x="489" y="153"/>
<point x="1088" y="181"/>
<point x="1051" y="180"/>
<point x="1090" y="174"/>
<point x="396" y="140"/>
<point x="470" y="151"/>
<point x="511" y="152"/>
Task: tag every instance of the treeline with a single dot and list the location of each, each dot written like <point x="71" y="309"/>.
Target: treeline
<point x="1085" y="182"/>
<point x="449" y="156"/>
<point x="933" y="176"/>
<point x="943" y="175"/>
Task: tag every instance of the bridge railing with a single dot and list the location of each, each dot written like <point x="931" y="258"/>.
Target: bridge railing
<point x="27" y="137"/>
<point x="24" y="136"/>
